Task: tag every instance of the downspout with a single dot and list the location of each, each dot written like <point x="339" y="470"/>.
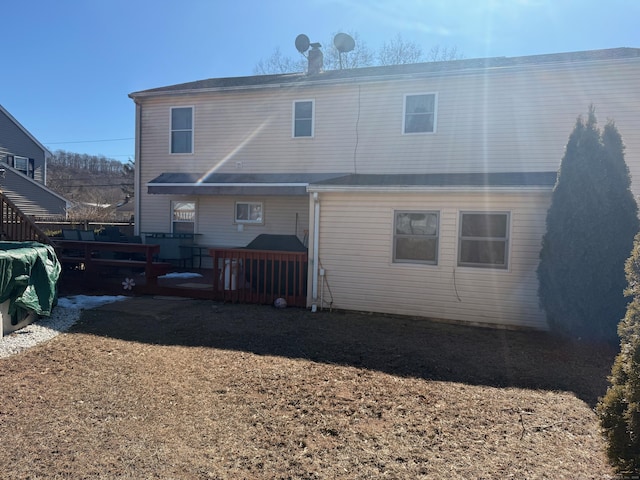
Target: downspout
<point x="137" y="188"/>
<point x="316" y="237"/>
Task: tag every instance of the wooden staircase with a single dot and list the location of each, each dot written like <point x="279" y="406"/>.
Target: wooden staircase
<point x="15" y="226"/>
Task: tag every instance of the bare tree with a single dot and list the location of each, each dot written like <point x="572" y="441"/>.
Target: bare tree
<point x="443" y="54"/>
<point x="278" y="63"/>
<point x="397" y="51"/>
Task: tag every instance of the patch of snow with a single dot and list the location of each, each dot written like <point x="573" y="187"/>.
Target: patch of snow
<point x="180" y="275"/>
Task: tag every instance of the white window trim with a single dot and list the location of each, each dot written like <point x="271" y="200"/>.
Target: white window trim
<point x="313" y="118"/>
<point x="26" y="161"/>
<point x="237" y="220"/>
<point x="193" y="125"/>
<point x="435" y="112"/>
<point x="195" y="214"/>
<point x="507" y="241"/>
<point x="436" y="236"/>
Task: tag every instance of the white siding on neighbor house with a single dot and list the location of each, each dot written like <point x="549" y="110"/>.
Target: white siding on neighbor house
<point x="501" y="119"/>
<point x="355" y="249"/>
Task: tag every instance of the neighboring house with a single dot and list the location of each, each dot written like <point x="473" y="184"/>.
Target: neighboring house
<point x="423" y="189"/>
<point x="23" y="160"/>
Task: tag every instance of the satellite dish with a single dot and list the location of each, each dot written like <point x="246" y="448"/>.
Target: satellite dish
<point x="344" y="43"/>
<point x="302" y="43"/>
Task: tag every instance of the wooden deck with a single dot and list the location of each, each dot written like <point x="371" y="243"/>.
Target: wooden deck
<point x="92" y="257"/>
<point x="242" y="276"/>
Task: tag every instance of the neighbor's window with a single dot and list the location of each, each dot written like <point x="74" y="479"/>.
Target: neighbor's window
<point x="415" y="238"/>
<point x="183" y="217"/>
<point x="303" y="118"/>
<point x="182" y="130"/>
<point x="484" y="239"/>
<point x="248" y="212"/>
<point x="21" y="163"/>
<point x="419" y="113"/>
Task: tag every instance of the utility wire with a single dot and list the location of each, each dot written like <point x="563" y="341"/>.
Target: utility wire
<point x="91" y="141"/>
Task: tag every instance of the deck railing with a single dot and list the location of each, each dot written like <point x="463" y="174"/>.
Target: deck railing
<point x="259" y="276"/>
<point x="16" y="226"/>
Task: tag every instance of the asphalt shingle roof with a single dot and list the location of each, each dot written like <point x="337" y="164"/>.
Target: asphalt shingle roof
<point x="353" y="74"/>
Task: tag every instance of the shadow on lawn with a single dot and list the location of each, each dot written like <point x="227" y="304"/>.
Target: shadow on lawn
<point x="393" y="344"/>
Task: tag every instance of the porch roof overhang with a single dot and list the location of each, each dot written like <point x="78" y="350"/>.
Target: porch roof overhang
<point x="506" y="182"/>
<point x="236" y="183"/>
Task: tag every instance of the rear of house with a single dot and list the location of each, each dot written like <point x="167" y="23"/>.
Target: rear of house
<point x="419" y="189"/>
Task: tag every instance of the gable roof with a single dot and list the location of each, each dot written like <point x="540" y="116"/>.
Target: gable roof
<point x="46" y="151"/>
<point x="390" y="71"/>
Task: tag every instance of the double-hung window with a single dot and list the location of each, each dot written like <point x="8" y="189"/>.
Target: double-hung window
<point x="415" y="237"/>
<point x="21" y="164"/>
<point x="183" y="217"/>
<point x="249" y="212"/>
<point x="419" y="113"/>
<point x="303" y="118"/>
<point x="182" y="130"/>
<point x="484" y="239"/>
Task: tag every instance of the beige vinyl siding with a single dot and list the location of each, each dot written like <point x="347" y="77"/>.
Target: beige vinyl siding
<point x="510" y="119"/>
<point x="356" y="241"/>
<point x="215" y="218"/>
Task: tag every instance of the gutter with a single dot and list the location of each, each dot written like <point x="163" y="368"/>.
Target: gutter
<point x="137" y="187"/>
<point x="206" y="184"/>
<point x="316" y="238"/>
<point x="429" y="189"/>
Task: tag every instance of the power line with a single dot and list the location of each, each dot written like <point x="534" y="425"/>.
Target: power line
<point x="91" y="141"/>
<point x="98" y="185"/>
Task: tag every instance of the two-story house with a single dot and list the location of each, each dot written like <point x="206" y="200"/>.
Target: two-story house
<point x="422" y="189"/>
<point x="23" y="164"/>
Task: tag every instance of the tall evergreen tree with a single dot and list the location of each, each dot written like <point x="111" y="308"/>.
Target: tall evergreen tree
<point x="591" y="224"/>
<point x="619" y="410"/>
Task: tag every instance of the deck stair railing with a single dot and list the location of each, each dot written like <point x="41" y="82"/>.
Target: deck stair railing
<point x="259" y="276"/>
<point x="16" y="226"/>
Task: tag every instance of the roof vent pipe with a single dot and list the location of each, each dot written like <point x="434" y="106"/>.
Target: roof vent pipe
<point x="315" y="59"/>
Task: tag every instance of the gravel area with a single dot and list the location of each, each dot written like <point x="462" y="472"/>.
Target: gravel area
<point x="64" y="315"/>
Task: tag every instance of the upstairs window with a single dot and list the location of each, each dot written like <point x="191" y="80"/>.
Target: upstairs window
<point x="22" y="164"/>
<point x="182" y="130"/>
<point x="183" y="217"/>
<point x="484" y="239"/>
<point x="419" y="113"/>
<point x="415" y="237"/>
<point x="303" y="118"/>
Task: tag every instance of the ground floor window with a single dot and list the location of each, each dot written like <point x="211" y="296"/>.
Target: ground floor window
<point x="183" y="217"/>
<point x="484" y="239"/>
<point x="249" y="212"/>
<point x="415" y="238"/>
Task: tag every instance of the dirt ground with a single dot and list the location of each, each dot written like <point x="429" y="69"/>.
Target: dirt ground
<point x="167" y="388"/>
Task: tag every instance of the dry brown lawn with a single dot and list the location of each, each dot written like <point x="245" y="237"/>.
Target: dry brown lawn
<point x="180" y="389"/>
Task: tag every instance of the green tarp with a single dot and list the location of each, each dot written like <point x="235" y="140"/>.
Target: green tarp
<point x="29" y="273"/>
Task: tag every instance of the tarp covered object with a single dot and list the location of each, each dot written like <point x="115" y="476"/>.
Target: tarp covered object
<point x="29" y="273"/>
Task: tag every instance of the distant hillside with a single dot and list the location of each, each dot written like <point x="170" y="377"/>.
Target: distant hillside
<point x="91" y="180"/>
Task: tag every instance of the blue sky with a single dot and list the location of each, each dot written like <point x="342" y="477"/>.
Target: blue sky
<point x="68" y="65"/>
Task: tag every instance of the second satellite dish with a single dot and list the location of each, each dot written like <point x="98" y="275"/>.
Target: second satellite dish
<point x="344" y="43"/>
<point x="302" y="43"/>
